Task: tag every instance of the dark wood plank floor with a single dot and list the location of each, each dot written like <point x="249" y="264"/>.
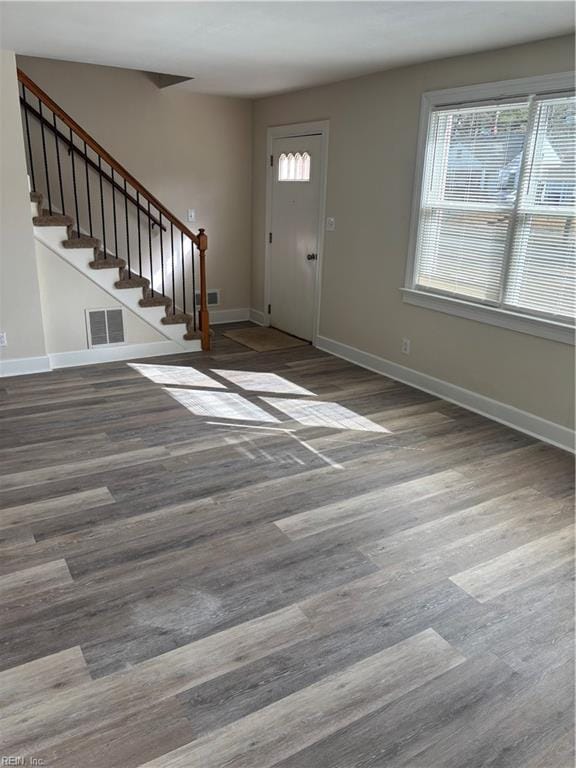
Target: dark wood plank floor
<point x="250" y="560"/>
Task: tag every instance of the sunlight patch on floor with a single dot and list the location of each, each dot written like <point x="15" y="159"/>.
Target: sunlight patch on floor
<point x="233" y="405"/>
<point x="257" y="381"/>
<point x="176" y="374"/>
<point x="312" y="413"/>
<point x="220" y="405"/>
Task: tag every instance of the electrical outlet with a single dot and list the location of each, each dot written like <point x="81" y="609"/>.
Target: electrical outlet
<point x="3" y="340"/>
<point x="191" y="215"/>
<point x="330" y="224"/>
<point x="405" y="346"/>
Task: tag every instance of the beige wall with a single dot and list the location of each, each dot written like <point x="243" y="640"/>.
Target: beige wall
<point x="373" y="136"/>
<point x="189" y="150"/>
<point x="64" y="316"/>
<point x="194" y="151"/>
<point x="20" y="312"/>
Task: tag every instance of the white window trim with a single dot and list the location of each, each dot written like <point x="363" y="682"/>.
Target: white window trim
<point x="506" y="89"/>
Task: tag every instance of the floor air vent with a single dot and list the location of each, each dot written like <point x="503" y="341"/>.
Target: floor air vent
<point x="105" y="327"/>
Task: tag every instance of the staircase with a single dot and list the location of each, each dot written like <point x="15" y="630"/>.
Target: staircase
<point x="94" y="214"/>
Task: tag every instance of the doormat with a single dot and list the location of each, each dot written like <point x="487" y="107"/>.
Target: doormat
<point x="264" y="339"/>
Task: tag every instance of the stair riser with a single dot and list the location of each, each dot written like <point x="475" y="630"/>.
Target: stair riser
<point x="80" y="259"/>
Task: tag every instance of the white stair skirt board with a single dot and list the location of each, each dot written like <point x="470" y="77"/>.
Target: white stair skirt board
<point x="80" y="258"/>
<point x="535" y="426"/>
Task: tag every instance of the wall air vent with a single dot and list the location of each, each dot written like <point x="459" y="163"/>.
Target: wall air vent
<point x="213" y="297"/>
<point x="105" y="327"/>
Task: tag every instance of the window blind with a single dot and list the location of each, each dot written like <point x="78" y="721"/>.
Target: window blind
<point x="496" y="221"/>
<point x="543" y="273"/>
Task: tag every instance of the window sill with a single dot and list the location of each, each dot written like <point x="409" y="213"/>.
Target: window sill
<point x="534" y="326"/>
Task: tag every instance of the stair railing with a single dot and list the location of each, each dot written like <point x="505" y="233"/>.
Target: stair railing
<point x="68" y="167"/>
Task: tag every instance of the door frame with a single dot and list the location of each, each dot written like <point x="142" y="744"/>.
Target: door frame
<point x="316" y="128"/>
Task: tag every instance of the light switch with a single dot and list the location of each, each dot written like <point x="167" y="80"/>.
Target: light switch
<point x="191" y="215"/>
<point x="330" y="224"/>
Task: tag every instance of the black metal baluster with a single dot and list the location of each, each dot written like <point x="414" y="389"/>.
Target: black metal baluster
<point x="58" y="161"/>
<point x="150" y="247"/>
<point x="162" y="254"/>
<point x="102" y="207"/>
<point x="183" y="272"/>
<point x="173" y="271"/>
<point x="45" y="159"/>
<point x="87" y="192"/>
<point x="127" y="229"/>
<point x="33" y="178"/>
<point x="72" y="152"/>
<point x="114" y="213"/>
<point x="139" y="236"/>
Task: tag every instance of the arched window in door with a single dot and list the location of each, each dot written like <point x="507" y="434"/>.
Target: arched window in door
<point x="294" y="167"/>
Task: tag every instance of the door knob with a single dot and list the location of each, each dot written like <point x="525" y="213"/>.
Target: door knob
<point x="312" y="256"/>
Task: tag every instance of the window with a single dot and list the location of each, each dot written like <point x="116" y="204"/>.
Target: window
<point x="294" y="167"/>
<point x="496" y="221"/>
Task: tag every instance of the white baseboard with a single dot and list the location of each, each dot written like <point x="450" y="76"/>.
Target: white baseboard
<point x="532" y="425"/>
<point x="218" y="316"/>
<point x="23" y="365"/>
<point x="258" y="317"/>
<point x="26" y="365"/>
<point x="122" y="352"/>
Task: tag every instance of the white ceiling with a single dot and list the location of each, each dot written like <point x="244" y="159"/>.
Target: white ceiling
<point x="259" y="48"/>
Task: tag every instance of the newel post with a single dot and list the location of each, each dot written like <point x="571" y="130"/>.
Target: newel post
<point x="203" y="317"/>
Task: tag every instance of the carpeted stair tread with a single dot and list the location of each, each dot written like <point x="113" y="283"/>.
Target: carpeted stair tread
<point x="132" y="282"/>
<point x="36" y="197"/>
<point x="81" y="242"/>
<point x="179" y="317"/>
<point x="155" y="301"/>
<point x="109" y="263"/>
<point x="52" y="220"/>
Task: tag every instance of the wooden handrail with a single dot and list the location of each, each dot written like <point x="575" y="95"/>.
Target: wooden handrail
<point x="73" y="148"/>
<point x="112" y="162"/>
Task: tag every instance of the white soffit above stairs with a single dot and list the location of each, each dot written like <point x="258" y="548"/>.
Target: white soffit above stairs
<point x="255" y="49"/>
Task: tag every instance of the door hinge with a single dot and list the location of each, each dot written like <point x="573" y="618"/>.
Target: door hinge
<point x="271" y="161"/>
<point x="269" y="309"/>
<point x="269" y="237"/>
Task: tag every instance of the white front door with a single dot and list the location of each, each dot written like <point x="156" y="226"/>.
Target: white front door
<point x="293" y="248"/>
